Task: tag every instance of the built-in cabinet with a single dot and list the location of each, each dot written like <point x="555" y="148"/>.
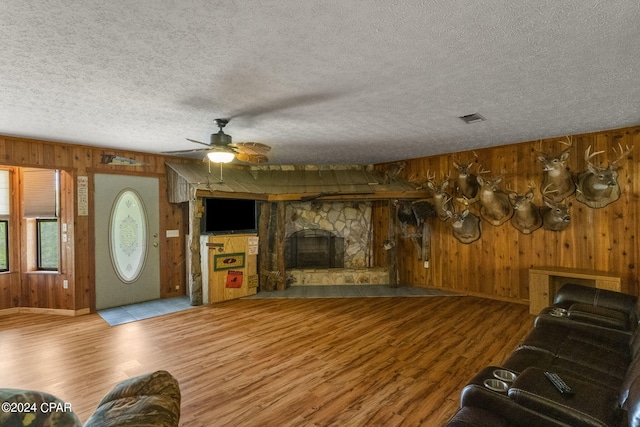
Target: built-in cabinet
<point x="232" y="266"/>
<point x="544" y="283"/>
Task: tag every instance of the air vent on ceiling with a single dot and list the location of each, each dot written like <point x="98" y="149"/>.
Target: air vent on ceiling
<point x="472" y="118"/>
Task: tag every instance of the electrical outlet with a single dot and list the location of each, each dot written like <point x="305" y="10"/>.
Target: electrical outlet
<point x="65" y="284"/>
<point x="426" y="264"/>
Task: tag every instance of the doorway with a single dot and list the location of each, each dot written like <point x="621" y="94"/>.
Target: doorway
<point x="127" y="259"/>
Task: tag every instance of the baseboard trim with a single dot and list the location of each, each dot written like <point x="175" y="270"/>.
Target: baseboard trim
<point x="36" y="310"/>
<point x="487" y="296"/>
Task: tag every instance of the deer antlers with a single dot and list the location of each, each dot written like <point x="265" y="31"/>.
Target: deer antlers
<point x="569" y="144"/>
<point x="546" y="190"/>
<point x="620" y="156"/>
<point x="613" y="164"/>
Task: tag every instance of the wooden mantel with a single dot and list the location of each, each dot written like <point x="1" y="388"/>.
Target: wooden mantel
<point x="286" y="183"/>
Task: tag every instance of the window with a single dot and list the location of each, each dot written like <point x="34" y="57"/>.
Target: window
<point x="4" y="220"/>
<point x="41" y="194"/>
<point x="4" y="245"/>
<point x="47" y="244"/>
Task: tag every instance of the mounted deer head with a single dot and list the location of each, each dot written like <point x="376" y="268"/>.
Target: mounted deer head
<point x="556" y="216"/>
<point x="598" y="185"/>
<point x="556" y="174"/>
<point x="392" y="171"/>
<point x="526" y="216"/>
<point x="441" y="198"/>
<point x="465" y="226"/>
<point x="466" y="183"/>
<point x="495" y="205"/>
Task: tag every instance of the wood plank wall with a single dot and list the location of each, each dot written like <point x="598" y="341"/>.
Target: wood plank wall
<point x="497" y="265"/>
<point x="20" y="288"/>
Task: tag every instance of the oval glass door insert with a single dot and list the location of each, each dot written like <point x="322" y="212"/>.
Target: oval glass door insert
<point x="128" y="235"/>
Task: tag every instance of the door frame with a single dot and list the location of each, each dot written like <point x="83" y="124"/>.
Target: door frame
<point x="148" y="285"/>
<point x="91" y="258"/>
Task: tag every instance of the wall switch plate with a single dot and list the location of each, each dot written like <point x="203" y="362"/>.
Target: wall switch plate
<point x="426" y="264"/>
<point x="173" y="233"/>
<point x="65" y="284"/>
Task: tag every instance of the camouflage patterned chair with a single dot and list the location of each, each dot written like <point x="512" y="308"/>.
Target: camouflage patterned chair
<point x="150" y="400"/>
<point x="26" y="408"/>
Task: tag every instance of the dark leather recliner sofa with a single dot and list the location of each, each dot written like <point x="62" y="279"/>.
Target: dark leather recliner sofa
<point x="591" y="339"/>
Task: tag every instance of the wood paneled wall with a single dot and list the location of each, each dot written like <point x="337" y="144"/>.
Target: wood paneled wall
<point x="44" y="290"/>
<point x="497" y="265"/>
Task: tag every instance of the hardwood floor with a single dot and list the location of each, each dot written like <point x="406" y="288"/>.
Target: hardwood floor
<point x="279" y="362"/>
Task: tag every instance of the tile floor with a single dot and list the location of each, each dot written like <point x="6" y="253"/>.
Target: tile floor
<point x="144" y="310"/>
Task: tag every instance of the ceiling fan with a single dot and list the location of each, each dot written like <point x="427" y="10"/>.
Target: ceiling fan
<point x="221" y="150"/>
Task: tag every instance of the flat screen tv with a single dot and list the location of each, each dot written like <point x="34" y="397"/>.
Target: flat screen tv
<point x="229" y="216"/>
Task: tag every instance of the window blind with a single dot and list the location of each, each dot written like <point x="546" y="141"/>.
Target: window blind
<point x="4" y="194"/>
<point x="40" y="193"/>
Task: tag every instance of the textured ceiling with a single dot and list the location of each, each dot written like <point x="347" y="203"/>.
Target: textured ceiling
<point x="332" y="81"/>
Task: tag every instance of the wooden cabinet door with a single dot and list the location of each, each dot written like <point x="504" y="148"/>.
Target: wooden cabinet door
<point x="232" y="267"/>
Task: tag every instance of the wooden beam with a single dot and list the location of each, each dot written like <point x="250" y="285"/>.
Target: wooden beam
<point x="264" y="253"/>
<point x="195" y="272"/>
<point x="381" y="195"/>
<point x="231" y="195"/>
<point x="280" y="235"/>
<point x="426" y="241"/>
<point x="392" y="252"/>
<point x="292" y="197"/>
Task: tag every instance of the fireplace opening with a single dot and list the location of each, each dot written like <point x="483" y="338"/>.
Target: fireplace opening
<point x="313" y="248"/>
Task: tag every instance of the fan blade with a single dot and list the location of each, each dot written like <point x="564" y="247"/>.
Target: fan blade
<point x="252" y="147"/>
<point x="193" y="150"/>
<point x="252" y="158"/>
<point x="209" y="147"/>
<point x="198" y="142"/>
<point x="287" y="103"/>
<point x="228" y="148"/>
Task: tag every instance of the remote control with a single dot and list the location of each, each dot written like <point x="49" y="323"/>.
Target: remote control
<point x="559" y="383"/>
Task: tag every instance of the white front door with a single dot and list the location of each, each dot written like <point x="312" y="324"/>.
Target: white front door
<point x="126" y="239"/>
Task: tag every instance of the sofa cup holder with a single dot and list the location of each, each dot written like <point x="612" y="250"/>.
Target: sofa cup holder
<point x="504" y="375"/>
<point x="559" y="312"/>
<point x="496" y="385"/>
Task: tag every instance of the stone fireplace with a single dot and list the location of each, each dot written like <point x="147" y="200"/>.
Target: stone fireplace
<point x="330" y="243"/>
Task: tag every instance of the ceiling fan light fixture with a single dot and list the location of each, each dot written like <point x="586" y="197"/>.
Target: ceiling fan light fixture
<point x="220" y="138"/>
<point x="220" y="156"/>
<point x="221" y="150"/>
